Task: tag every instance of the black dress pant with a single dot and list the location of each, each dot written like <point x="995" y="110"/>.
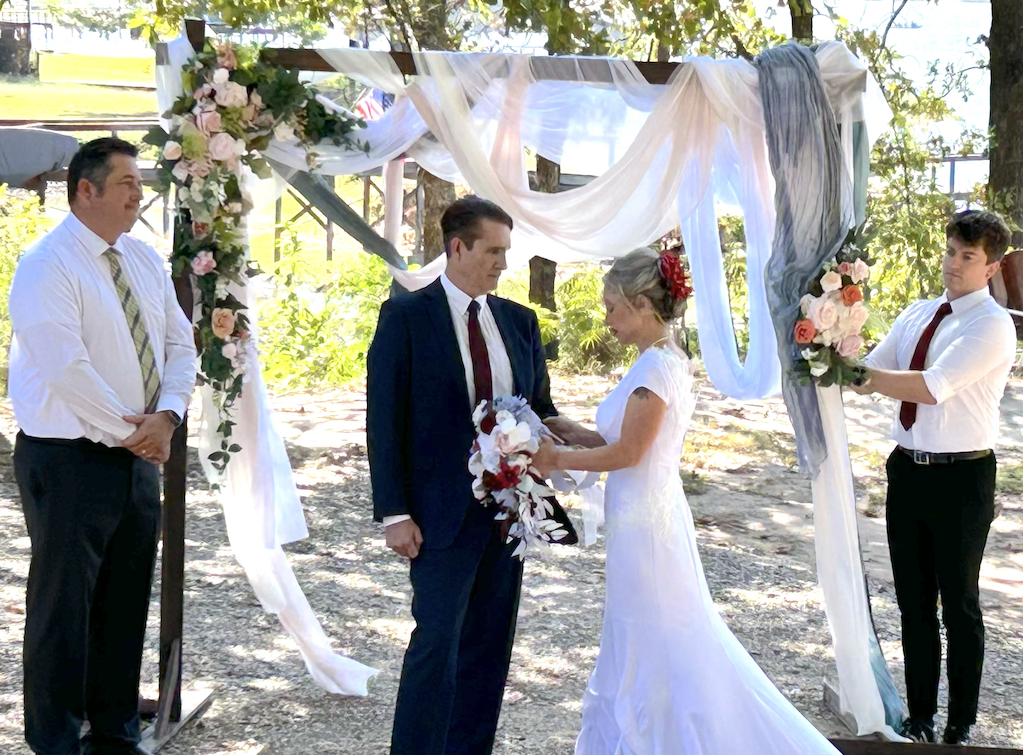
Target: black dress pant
<point x="465" y="603"/>
<point x="93" y="516"/>
<point x="938" y="521"/>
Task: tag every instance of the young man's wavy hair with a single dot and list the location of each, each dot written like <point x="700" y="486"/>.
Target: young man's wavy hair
<point x="980" y="228"/>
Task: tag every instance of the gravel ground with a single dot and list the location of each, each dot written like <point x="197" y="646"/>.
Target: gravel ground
<point x="754" y="523"/>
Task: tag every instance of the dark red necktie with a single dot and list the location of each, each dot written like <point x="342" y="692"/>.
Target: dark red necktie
<point x="907" y="414"/>
<point x="481" y="376"/>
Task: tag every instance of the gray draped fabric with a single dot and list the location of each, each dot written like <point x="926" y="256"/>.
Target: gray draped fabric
<point x="815" y="208"/>
<point x="814" y="214"/>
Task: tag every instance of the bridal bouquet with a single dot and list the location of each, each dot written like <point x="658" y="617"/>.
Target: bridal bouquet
<point x="508" y="433"/>
<point x="831" y="319"/>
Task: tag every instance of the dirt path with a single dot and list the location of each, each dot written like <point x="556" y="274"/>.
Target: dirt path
<point x="754" y="522"/>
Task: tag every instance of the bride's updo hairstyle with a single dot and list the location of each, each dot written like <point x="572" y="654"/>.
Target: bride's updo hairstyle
<point x="657" y="277"/>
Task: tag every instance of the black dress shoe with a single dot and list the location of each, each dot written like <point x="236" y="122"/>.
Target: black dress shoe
<point x="918" y="730"/>
<point x="956" y="735"/>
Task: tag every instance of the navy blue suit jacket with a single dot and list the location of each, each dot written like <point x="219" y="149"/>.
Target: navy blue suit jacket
<point x="418" y="418"/>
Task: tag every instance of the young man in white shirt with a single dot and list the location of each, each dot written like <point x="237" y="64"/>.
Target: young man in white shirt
<point x="947" y="361"/>
<point x="102" y="370"/>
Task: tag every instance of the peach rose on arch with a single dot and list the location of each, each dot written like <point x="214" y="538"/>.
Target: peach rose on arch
<point x="223" y="322"/>
<point x="805" y="331"/>
<point x="851" y="295"/>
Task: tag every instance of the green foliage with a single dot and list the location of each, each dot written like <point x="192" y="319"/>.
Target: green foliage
<point x="21" y="221"/>
<point x="584" y="343"/>
<point x="315" y="328"/>
<point x="906" y="211"/>
<point x="733" y="251"/>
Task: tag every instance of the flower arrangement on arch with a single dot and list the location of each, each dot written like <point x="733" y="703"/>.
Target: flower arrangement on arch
<point x="234" y="104"/>
<point x="508" y="433"/>
<point x="832" y="314"/>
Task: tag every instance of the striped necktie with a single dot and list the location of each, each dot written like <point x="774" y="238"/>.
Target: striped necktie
<point x="143" y="346"/>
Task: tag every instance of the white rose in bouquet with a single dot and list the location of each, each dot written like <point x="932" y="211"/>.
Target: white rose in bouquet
<point x="831" y="281"/>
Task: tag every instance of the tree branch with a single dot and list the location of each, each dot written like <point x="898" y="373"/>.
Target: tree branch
<point x="401" y="24"/>
<point x="740" y="48"/>
<point x="891" y="21"/>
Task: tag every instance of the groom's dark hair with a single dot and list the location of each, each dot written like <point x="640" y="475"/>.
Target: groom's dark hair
<point x="462" y="218"/>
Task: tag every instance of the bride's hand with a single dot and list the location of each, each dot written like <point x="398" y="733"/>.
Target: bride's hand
<point x="545" y="459"/>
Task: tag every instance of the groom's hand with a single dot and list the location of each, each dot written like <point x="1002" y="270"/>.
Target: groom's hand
<point x="404" y="538"/>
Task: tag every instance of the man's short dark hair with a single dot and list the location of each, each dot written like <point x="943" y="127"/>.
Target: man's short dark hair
<point x="462" y="220"/>
<point x="92" y="162"/>
<point x="980" y="228"/>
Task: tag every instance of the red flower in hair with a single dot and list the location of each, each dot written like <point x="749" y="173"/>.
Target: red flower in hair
<point x="670" y="266"/>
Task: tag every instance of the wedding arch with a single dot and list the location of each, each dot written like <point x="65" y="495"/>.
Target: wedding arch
<point x="783" y="140"/>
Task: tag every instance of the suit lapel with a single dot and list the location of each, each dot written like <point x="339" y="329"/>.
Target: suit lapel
<point x="444" y="329"/>
<point x="512" y="344"/>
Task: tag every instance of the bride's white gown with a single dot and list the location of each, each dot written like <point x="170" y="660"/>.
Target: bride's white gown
<point x="671" y="679"/>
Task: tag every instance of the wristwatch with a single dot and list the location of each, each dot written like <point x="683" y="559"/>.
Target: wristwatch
<point x="174" y="417"/>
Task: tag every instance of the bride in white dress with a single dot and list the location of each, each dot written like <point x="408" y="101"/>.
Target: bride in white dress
<point x="670" y="679"/>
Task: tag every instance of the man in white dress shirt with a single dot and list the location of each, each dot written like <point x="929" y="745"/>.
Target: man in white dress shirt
<point x="101" y="372"/>
<point x="947" y="361"/>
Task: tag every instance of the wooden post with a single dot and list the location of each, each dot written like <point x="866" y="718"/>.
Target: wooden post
<point x="172" y="582"/>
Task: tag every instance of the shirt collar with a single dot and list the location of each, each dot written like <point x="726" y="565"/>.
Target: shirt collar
<point x="92" y="243"/>
<point x="457" y="297"/>
<point x="968" y="302"/>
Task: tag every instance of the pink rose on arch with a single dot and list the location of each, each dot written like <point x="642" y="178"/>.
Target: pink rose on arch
<point x="850" y="346"/>
<point x="198" y="168"/>
<point x="222" y="147"/>
<point x="226" y="57"/>
<point x="200" y="229"/>
<point x="232" y="94"/>
<point x="223" y="322"/>
<point x="203" y="263"/>
<point x="860" y="271"/>
<point x="209" y="122"/>
<point x="845" y="269"/>
<point x="204" y="91"/>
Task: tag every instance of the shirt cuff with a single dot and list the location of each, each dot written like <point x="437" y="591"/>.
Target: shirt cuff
<point x="937" y="385"/>
<point x="171" y="404"/>
<point x="389" y="520"/>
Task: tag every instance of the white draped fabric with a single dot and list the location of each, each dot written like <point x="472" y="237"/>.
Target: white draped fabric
<point x="662" y="155"/>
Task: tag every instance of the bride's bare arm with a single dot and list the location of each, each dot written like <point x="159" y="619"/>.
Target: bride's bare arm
<point x="573" y="433"/>
<point x="644" y="413"/>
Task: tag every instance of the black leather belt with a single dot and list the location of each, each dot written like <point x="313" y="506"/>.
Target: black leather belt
<point x="926" y="458"/>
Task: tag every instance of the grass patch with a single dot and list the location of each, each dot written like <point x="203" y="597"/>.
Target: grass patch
<point x="22" y="97"/>
<point x="729" y="446"/>
<point x="68" y="67"/>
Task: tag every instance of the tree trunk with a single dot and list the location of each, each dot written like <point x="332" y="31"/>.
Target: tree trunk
<point x="801" y="12"/>
<point x="542" y="272"/>
<point x="1005" y="182"/>
<point x="437" y="195"/>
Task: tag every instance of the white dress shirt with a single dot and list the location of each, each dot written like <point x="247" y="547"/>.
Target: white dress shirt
<point x="74" y="368"/>
<point x="500" y="364"/>
<point x="966" y="369"/>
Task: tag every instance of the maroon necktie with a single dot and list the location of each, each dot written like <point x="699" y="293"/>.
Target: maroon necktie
<point x="481" y="376"/>
<point x="907" y="414"/>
